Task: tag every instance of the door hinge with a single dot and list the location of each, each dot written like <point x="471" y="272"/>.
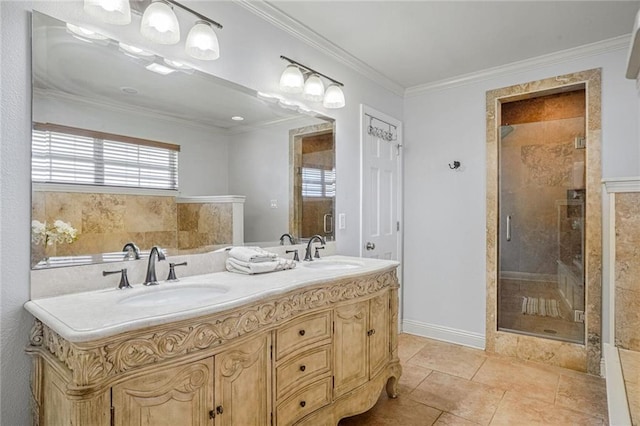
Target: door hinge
<point x="398" y="146"/>
<point x="113" y="417"/>
<point x="580" y="142"/>
<point x="271" y="351"/>
<point x="271" y="419"/>
<point x="333" y="382"/>
<point x="397" y="225"/>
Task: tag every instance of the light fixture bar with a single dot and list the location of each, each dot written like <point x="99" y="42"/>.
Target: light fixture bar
<point x="311" y="70"/>
<point x="193" y="12"/>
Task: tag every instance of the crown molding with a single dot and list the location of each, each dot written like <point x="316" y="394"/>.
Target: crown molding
<point x="127" y="109"/>
<point x="627" y="184"/>
<point x="592" y="49"/>
<point x="283" y="21"/>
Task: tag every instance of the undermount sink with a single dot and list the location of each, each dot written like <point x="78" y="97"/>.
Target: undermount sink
<point x="177" y="294"/>
<point x="333" y="264"/>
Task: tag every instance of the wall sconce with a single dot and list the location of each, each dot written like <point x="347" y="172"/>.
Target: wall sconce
<point x="292" y="80"/>
<point x="160" y="24"/>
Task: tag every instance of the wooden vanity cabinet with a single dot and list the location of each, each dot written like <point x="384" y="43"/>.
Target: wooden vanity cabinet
<point x="309" y="357"/>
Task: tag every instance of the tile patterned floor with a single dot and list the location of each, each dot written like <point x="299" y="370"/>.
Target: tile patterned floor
<point x="447" y="384"/>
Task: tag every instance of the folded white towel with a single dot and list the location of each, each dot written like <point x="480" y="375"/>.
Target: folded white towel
<point x="252" y="254"/>
<point x="250" y="268"/>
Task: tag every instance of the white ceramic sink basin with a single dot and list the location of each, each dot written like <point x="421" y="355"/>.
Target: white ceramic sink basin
<point x="178" y="294"/>
<point x="333" y="264"/>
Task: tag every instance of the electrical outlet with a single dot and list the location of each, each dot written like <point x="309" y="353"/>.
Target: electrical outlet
<point x="273" y="204"/>
<point x="342" y="221"/>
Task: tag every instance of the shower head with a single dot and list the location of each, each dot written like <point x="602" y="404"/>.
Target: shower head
<point x="505" y="130"/>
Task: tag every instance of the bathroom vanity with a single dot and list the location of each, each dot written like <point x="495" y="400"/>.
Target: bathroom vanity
<point x="306" y="346"/>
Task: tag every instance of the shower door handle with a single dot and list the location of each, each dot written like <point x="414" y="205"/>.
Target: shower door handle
<point x="509" y="228"/>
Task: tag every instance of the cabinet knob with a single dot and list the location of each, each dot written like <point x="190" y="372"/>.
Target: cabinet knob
<point x="301" y="332"/>
<point x="303" y="403"/>
<point x="212" y="414"/>
<point x="303" y="367"/>
<point x="219" y="409"/>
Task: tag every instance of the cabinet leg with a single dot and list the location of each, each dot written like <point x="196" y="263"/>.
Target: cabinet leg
<point x="392" y="387"/>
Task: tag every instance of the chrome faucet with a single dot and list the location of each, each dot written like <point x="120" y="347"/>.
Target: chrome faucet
<point x="307" y="254"/>
<point x="151" y="267"/>
<point x="130" y="248"/>
<point x="291" y="239"/>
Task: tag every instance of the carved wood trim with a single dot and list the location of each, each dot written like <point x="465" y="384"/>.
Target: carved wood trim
<point x="92" y="363"/>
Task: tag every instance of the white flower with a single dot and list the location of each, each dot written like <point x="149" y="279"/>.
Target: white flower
<point x="60" y="232"/>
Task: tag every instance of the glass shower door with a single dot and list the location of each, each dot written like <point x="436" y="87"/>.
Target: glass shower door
<point x="541" y="222"/>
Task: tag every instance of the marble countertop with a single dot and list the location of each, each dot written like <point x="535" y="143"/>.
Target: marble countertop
<point x="87" y="316"/>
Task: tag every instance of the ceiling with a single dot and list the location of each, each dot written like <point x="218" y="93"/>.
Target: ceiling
<point x="414" y="43"/>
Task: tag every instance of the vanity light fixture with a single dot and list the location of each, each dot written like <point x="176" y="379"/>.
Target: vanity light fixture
<point x="160" y="24"/>
<point x="292" y="80"/>
<point x="159" y="68"/>
<point x="117" y="12"/>
<point x="237" y="118"/>
<point x="134" y="51"/>
<point x="85" y="34"/>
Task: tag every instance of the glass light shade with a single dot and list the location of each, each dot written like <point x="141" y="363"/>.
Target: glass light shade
<point x="202" y="42"/>
<point x="84" y="33"/>
<point x="134" y="50"/>
<point x="117" y="12"/>
<point x="291" y="80"/>
<point x="333" y="97"/>
<point x="160" y="24"/>
<point x="313" y="89"/>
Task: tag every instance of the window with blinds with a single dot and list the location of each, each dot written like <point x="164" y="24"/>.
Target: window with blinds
<point x="63" y="154"/>
<point x="318" y="182"/>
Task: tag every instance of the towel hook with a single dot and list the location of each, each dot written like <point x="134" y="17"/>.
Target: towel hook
<point x="456" y="165"/>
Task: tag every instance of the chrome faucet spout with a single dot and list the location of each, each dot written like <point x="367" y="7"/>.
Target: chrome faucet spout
<point x="130" y="248"/>
<point x="156" y="252"/>
<point x="307" y="254"/>
<point x="292" y="240"/>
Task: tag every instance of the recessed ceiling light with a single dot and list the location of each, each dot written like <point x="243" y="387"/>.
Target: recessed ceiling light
<point x="160" y="69"/>
<point x="129" y="90"/>
<point x="237" y="118"/>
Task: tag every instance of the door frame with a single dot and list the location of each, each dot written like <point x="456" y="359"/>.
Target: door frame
<point x="365" y="109"/>
<point x="584" y="357"/>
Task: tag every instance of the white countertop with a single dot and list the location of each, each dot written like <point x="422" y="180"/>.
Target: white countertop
<point x="83" y="317"/>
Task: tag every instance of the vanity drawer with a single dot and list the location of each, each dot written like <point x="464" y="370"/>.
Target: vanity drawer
<point x="303" y="402"/>
<point x="302" y="332"/>
<point x="302" y="369"/>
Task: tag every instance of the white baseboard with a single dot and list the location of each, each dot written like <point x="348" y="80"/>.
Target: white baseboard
<point x="616" y="392"/>
<point x="446" y="334"/>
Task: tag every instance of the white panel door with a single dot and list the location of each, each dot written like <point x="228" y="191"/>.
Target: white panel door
<point x="380" y="186"/>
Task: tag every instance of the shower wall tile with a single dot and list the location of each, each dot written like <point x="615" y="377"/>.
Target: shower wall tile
<point x="627" y="270"/>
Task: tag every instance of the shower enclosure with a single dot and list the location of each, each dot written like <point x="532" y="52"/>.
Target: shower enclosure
<point x="541" y="285"/>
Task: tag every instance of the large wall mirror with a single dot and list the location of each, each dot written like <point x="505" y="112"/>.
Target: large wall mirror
<point x="109" y="118"/>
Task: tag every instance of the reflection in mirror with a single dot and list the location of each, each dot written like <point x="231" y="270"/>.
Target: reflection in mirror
<point x="105" y="127"/>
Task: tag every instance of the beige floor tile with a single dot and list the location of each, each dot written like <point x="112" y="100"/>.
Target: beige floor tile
<point x="470" y="400"/>
<point x="587" y="394"/>
<point x="409" y="345"/>
<point x="517" y="410"/>
<point x="412" y="376"/>
<point x="448" y="419"/>
<point x="630" y="361"/>
<point x="449" y="358"/>
<point x="633" y="399"/>
<point x="394" y="412"/>
<point x="526" y="380"/>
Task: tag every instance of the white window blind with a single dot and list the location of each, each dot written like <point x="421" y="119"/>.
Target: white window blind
<point x="77" y="156"/>
<point x="318" y="182"/>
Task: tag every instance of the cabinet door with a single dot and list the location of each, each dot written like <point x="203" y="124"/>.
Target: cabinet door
<point x="379" y="352"/>
<point x="243" y="384"/>
<point x="350" y="347"/>
<point x="180" y="395"/>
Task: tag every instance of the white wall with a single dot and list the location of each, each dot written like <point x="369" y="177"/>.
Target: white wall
<point x="203" y="151"/>
<point x="250" y="50"/>
<point x="445" y="210"/>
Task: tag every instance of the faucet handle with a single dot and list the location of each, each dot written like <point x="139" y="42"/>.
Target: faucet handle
<point x="295" y="254"/>
<point x="317" y="254"/>
<point x="124" y="281"/>
<point x="172" y="271"/>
